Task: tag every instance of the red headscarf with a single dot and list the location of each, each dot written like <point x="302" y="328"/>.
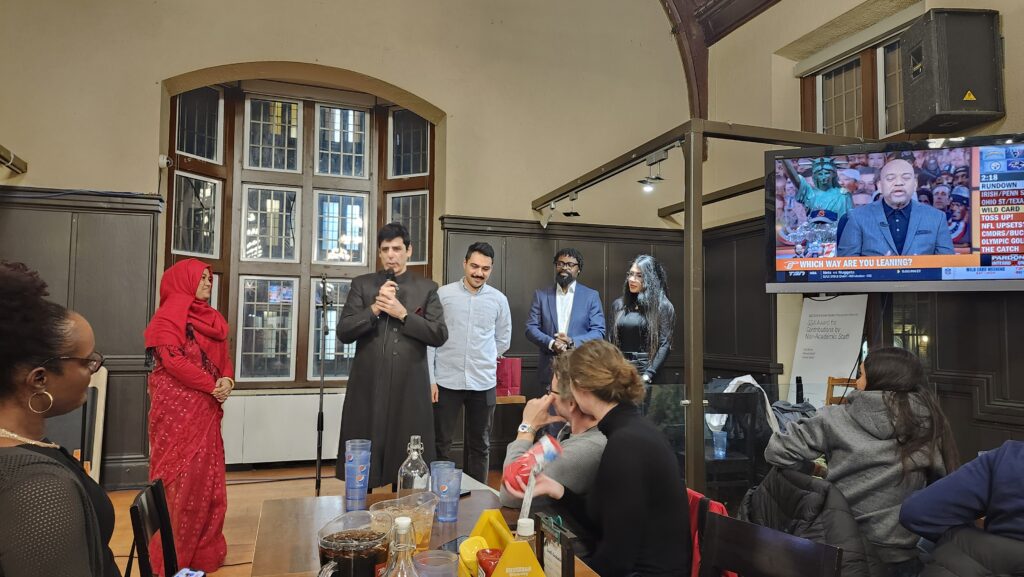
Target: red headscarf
<point x="179" y="306"/>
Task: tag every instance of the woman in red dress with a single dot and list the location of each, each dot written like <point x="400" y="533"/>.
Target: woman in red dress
<point x="192" y="376"/>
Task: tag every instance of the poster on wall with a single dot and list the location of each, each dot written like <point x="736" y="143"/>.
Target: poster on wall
<point x="828" y="344"/>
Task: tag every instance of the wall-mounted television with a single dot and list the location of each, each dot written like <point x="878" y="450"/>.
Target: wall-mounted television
<point x="944" y="214"/>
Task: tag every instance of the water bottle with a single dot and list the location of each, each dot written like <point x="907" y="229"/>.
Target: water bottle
<point x="413" y="475"/>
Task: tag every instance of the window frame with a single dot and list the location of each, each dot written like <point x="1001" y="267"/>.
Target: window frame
<point x="244" y="206"/>
<point x="391" y="146"/>
<point x="367" y="144"/>
<point x="215" y="289"/>
<point x="315" y="337"/>
<point x="220" y="128"/>
<point x="314" y="250"/>
<point x="423" y="192"/>
<point x="872" y="90"/>
<point x="217" y="221"/>
<point x="294" y="341"/>
<point x="819" y="93"/>
<point x="880" y="84"/>
<point x="248" y="97"/>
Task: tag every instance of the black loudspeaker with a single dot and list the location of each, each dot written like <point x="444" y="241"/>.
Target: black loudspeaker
<point x="952" y="68"/>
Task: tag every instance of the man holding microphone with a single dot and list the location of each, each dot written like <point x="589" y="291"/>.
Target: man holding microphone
<point x="463" y="371"/>
<point x="392" y="315"/>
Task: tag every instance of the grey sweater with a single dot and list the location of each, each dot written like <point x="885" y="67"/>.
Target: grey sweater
<point x="576" y="468"/>
<point x="859" y="445"/>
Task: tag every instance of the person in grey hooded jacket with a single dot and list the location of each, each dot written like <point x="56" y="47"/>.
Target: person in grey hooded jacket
<point x="889" y="440"/>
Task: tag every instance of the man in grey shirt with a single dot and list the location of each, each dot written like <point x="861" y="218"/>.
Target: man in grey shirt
<point x="463" y="371"/>
<point x="582" y="442"/>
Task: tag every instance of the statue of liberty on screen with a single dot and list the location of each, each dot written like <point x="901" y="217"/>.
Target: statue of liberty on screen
<point x="825" y="194"/>
<point x="825" y="202"/>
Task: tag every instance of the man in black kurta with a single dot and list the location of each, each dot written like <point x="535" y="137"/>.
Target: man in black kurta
<point x="392" y="322"/>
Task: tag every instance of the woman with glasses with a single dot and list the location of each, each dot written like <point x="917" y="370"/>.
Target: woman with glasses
<point x="54" y="519"/>
<point x="637" y="507"/>
<point x="192" y="376"/>
<point x="643" y="318"/>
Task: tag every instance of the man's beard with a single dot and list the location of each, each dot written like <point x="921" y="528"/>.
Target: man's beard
<point x="564" y="279"/>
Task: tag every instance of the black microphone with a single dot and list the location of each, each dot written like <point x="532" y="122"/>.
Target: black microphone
<point x="389" y="275"/>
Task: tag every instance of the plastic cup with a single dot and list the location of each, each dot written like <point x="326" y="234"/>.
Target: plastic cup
<point x="449" y="486"/>
<point x="357" y="473"/>
<point x="436" y="563"/>
<point x="720" y="440"/>
<point x="434" y="468"/>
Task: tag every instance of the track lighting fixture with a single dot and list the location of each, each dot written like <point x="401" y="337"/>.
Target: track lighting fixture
<point x="572" y="206"/>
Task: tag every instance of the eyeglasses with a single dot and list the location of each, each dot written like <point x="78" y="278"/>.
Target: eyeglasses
<point x="567" y="265"/>
<point x="93" y="362"/>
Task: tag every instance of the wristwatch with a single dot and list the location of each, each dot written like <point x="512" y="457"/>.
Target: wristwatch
<point x="527" y="428"/>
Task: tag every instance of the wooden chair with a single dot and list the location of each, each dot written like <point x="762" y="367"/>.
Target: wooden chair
<point x="833" y="382"/>
<point x="149" y="514"/>
<point x="750" y="550"/>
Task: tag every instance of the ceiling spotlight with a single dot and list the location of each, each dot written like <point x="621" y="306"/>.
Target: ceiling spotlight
<point x="547" y="218"/>
<point x="572" y="206"/>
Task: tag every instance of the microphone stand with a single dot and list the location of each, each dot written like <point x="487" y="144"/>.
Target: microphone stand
<point x="325" y="302"/>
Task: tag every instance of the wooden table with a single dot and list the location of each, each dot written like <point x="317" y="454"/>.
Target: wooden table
<point x="286" y="538"/>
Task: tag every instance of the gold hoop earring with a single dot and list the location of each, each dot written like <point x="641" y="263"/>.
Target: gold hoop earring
<point x="45" y="394"/>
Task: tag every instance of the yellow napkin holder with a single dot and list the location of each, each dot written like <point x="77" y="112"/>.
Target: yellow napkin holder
<point x="517" y="558"/>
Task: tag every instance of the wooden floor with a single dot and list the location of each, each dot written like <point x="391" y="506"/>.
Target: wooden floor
<point x="246" y="492"/>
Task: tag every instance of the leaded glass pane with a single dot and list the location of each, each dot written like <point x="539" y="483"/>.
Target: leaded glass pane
<point x="196" y="208"/>
<point x="266" y="326"/>
<point x="338" y="357"/>
<point x="412" y="211"/>
<point x="893" y="79"/>
<point x="269" y="224"/>
<point x="340" y="231"/>
<point x="341" y="140"/>
<point x="409" y="144"/>
<point x="273" y="134"/>
<point x="841" y="100"/>
<point x="199" y="123"/>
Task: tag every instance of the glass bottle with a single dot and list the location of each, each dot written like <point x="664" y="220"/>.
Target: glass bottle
<point x="403" y="545"/>
<point x="413" y="475"/>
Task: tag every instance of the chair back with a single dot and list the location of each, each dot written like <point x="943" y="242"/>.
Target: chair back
<point x="149" y="514"/>
<point x="729" y="544"/>
<point x="833" y="382"/>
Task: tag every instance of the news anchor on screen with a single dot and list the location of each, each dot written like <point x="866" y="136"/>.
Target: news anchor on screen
<point x="893" y="225"/>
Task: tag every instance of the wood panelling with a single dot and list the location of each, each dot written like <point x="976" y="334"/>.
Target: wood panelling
<point x="970" y="343"/>
<point x="97" y="252"/>
<point x="720" y="17"/>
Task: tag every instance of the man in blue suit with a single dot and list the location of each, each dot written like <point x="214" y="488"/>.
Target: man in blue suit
<point x="562" y="317"/>
<point x="893" y="225"/>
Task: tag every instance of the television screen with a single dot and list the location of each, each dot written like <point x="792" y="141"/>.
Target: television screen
<point x="940" y="214"/>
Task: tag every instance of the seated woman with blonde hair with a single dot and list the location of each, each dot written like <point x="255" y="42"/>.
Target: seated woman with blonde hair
<point x="637" y="507"/>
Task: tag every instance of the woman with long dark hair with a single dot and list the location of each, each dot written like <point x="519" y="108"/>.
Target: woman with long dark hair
<point x="889" y="440"/>
<point x="192" y="376"/>
<point x="643" y="317"/>
<point x="54" y="519"/>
